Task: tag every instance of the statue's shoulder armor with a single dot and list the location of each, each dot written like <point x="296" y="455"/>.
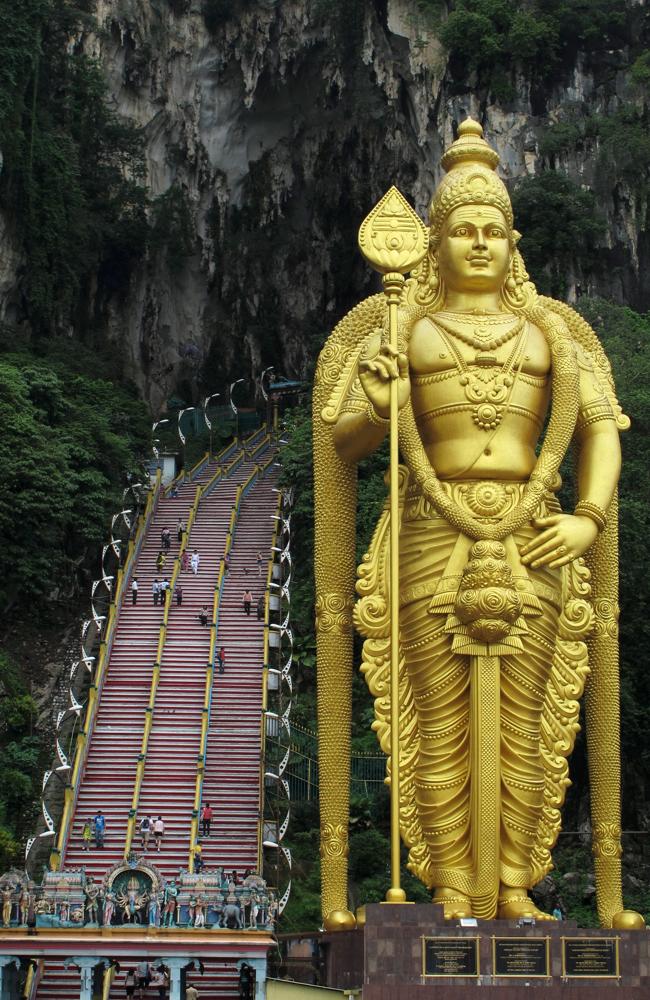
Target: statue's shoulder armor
<point x="337" y="363"/>
<point x="589" y="351"/>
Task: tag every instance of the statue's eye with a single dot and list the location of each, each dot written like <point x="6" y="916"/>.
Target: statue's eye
<point x="461" y="231"/>
<point x="496" y="233"/>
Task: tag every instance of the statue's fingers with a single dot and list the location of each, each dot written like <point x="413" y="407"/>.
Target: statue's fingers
<point x="545" y="545"/>
<point x="556" y="554"/>
<point x="563" y="558"/>
<point x="547" y="521"/>
<point x="541" y="540"/>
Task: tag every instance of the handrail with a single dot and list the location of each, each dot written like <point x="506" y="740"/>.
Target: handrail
<point x="240" y="492"/>
<point x="107" y="982"/>
<point x="32" y="979"/>
<point x="106" y="644"/>
<point x="202" y="462"/>
<point x="221" y="472"/>
<point x="155" y="678"/>
<point x="265" y="682"/>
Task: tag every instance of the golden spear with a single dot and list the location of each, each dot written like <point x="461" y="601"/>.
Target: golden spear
<point x="394" y="240"/>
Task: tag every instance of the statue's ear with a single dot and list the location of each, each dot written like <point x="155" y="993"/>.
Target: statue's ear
<point x="516" y="236"/>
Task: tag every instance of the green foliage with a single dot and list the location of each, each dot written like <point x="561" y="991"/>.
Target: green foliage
<point x="67" y="440"/>
<point x="20" y="762"/>
<point x="72" y="168"/>
<point x="492" y="37"/>
<point x="640" y="69"/>
<point x="561" y="226"/>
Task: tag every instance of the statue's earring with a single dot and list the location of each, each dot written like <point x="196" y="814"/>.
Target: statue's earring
<point x="514" y="291"/>
<point x="427" y="276"/>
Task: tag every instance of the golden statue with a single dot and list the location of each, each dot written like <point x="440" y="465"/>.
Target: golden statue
<point x="507" y="606"/>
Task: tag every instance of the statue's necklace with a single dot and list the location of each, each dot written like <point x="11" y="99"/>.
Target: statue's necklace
<point x="481" y="337"/>
<point x="487" y="385"/>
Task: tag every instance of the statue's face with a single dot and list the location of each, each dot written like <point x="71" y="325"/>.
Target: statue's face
<point x="474" y="252"/>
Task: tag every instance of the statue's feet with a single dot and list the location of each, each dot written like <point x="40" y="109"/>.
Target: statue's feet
<point x="516" y="904"/>
<point x="455" y="904"/>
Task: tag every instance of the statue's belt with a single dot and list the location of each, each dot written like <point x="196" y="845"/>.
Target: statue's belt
<point x="478" y="497"/>
<point x="489" y="500"/>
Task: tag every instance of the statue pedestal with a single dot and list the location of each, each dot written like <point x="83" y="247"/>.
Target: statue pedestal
<point x="409" y="951"/>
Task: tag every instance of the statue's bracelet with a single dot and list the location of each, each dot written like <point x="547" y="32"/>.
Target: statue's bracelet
<point x="584" y="508"/>
<point x="374" y="417"/>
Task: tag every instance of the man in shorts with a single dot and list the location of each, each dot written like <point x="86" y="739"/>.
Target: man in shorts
<point x="158" y="830"/>
<point x="143" y="976"/>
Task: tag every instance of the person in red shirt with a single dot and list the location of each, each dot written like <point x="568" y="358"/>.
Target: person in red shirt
<point x="221" y="660"/>
<point x="206" y="819"/>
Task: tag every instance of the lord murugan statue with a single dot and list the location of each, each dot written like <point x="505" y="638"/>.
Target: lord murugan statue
<point x="507" y="605"/>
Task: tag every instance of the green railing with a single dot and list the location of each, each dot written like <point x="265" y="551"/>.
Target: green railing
<point x="368" y="771"/>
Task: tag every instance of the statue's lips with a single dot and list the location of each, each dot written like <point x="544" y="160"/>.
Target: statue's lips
<point x="480" y="261"/>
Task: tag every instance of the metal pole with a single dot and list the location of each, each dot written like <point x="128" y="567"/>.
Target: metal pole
<point x="394" y="240"/>
<point x="393" y="283"/>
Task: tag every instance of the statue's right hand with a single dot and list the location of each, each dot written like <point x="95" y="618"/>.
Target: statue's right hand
<point x="376" y="373"/>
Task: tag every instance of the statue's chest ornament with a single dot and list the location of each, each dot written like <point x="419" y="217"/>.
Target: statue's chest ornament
<point x="486" y="383"/>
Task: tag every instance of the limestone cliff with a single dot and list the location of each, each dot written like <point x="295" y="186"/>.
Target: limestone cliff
<point x="276" y="128"/>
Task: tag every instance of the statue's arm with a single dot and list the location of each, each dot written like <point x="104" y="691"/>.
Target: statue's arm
<point x="363" y="422"/>
<point x="597" y="436"/>
<point x="563" y="537"/>
<point x="356" y="435"/>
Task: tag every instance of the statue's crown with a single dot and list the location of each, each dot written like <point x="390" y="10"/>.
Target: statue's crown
<point x="471" y="178"/>
<point x="469" y="147"/>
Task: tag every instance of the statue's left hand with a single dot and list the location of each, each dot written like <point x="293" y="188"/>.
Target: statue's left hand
<point x="564" y="537"/>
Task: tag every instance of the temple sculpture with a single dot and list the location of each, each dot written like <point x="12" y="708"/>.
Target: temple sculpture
<point x="507" y="604"/>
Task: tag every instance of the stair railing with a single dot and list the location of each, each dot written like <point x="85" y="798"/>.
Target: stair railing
<point x="155" y="678"/>
<point x="265" y="680"/>
<point x="242" y="455"/>
<point x="106" y="644"/>
<point x="240" y="493"/>
<point x="205" y="459"/>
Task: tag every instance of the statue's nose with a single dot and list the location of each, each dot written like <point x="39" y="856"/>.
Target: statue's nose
<point x="479" y="240"/>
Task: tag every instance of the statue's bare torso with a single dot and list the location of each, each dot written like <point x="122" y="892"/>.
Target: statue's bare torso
<point x="450" y="435"/>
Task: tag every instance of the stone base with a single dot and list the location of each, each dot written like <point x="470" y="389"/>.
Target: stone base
<point x="386" y="958"/>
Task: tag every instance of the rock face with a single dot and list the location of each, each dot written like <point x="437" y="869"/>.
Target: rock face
<point x="277" y="128"/>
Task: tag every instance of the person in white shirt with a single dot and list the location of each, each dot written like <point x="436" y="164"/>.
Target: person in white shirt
<point x="155" y="590"/>
<point x="134" y="590"/>
<point x="194" y="561"/>
<point x="158" y="830"/>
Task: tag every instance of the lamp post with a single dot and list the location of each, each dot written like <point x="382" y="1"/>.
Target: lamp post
<point x="155" y="441"/>
<point x="206" y="403"/>
<point x="263" y="389"/>
<point x="233" y="407"/>
<point x="180" y="432"/>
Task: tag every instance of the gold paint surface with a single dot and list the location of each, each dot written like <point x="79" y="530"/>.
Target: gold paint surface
<point x="503" y="621"/>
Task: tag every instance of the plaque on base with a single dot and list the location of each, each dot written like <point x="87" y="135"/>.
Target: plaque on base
<point x="521" y="956"/>
<point x="590" y="958"/>
<point x="450" y="956"/>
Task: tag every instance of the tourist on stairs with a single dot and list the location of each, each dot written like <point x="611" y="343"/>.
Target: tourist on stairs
<point x="206" y="819"/>
<point x="99" y="826"/>
<point x="158" y="830"/>
<point x="145" y="832"/>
